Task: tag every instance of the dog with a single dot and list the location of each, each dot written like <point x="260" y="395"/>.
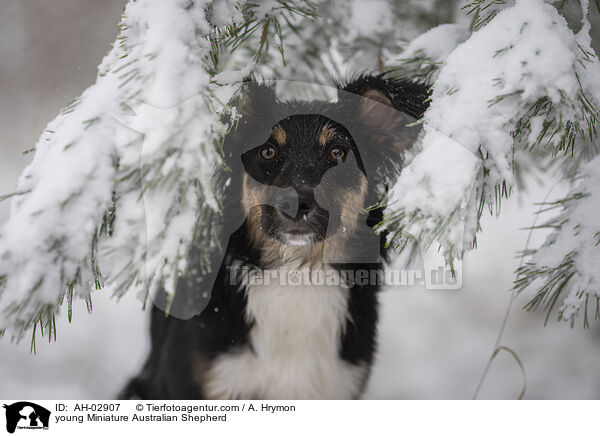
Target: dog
<point x="299" y="184"/>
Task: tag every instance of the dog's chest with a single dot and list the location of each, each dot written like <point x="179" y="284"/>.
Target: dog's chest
<point x="294" y="347"/>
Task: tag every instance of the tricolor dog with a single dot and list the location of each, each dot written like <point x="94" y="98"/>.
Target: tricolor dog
<point x="291" y="312"/>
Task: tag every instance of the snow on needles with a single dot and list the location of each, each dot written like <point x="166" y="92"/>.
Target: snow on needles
<point x="87" y="164"/>
<point x="567" y="265"/>
<point x="121" y="181"/>
<point x="505" y="88"/>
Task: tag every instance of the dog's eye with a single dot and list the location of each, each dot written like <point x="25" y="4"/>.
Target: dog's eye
<point x="268" y="152"/>
<point x="337" y="153"/>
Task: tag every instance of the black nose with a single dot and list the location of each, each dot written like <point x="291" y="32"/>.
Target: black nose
<point x="296" y="203"/>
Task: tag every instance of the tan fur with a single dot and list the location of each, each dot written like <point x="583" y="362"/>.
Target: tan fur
<point x="353" y="214"/>
<point x="327" y="134"/>
<point x="249" y="197"/>
<point x="252" y="198"/>
<point x="275" y="253"/>
<point x="279" y="135"/>
<point x="354" y="205"/>
<point x="373" y="95"/>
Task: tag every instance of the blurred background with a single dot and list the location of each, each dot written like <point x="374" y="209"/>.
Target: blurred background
<point x="432" y="344"/>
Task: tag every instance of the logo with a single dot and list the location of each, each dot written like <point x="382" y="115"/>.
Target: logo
<point x="26" y="415"/>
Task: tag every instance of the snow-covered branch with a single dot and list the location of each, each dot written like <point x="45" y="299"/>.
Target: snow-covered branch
<point x="121" y="182"/>
<point x="523" y="82"/>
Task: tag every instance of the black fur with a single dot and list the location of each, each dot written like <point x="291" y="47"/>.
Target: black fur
<point x="180" y="348"/>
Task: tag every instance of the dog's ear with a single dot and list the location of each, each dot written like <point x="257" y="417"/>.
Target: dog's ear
<point x="387" y="106"/>
<point x="381" y="112"/>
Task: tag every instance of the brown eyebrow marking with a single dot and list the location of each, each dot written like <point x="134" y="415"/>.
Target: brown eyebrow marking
<point x="279" y="135"/>
<point x="327" y="134"/>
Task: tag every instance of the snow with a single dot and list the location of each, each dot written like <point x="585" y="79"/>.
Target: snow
<point x="225" y="12"/>
<point x="265" y="8"/>
<point x="484" y="88"/>
<point x="577" y="237"/>
<point x="231" y="77"/>
<point x="449" y="171"/>
<point x="435" y="45"/>
<point x="158" y="61"/>
<point x="367" y="16"/>
<point x="88" y="161"/>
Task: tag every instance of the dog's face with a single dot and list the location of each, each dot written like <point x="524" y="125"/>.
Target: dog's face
<point x="304" y="183"/>
<point x="306" y="172"/>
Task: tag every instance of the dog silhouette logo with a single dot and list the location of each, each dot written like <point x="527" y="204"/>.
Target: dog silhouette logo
<point x="26" y="415"/>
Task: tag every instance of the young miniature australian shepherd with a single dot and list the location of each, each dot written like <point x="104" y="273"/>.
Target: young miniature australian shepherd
<point x="299" y="183"/>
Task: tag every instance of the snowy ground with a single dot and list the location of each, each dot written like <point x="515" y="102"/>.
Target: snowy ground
<point x="433" y="344"/>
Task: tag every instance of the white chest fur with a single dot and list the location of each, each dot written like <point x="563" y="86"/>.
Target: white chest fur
<point x="295" y="343"/>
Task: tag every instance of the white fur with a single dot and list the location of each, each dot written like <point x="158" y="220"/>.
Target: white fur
<point x="295" y="344"/>
<point x="298" y="240"/>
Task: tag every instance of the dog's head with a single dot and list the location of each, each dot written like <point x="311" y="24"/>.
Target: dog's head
<point x="291" y="191"/>
<point x="307" y="172"/>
